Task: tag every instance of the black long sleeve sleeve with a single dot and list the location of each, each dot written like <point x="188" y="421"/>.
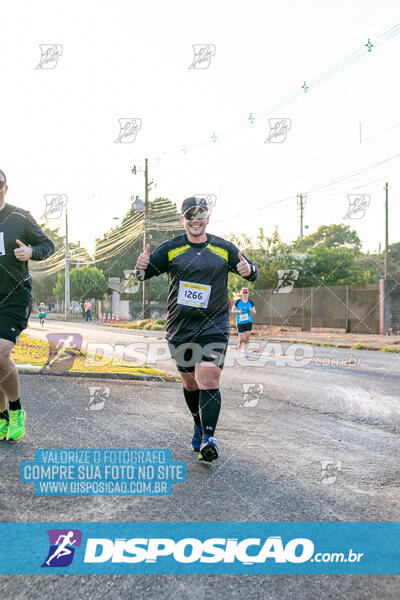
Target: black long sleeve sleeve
<point x="15" y="281"/>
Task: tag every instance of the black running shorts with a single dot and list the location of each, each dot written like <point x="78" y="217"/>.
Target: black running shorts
<point x="13" y="320"/>
<point x="244" y="327"/>
<point x="187" y="353"/>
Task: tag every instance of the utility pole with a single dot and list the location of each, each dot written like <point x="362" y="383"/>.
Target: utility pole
<point x="146" y="233"/>
<point x="301" y="201"/>
<point x="78" y="256"/>
<point x="386" y="229"/>
<point x="67" y="289"/>
<point x="146" y="240"/>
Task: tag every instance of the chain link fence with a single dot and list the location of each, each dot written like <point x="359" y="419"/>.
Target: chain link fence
<point x="350" y="308"/>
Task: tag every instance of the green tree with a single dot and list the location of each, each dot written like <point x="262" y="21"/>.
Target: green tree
<point x="164" y="224"/>
<point x="393" y="262"/>
<point x="269" y="253"/>
<point x="330" y="256"/>
<point x="334" y="257"/>
<point x="42" y="287"/>
<point x="367" y="268"/>
<point x="332" y="236"/>
<point x="86" y="282"/>
<point x="326" y="265"/>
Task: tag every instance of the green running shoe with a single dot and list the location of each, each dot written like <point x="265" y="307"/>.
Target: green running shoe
<point x="16" y="426"/>
<point x="3" y="428"/>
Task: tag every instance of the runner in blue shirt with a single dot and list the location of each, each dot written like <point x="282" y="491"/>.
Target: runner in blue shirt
<point x="42" y="314"/>
<point x="243" y="307"/>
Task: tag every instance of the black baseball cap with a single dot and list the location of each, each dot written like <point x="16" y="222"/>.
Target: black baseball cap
<point x="193" y="202"/>
<point x="4" y="175"/>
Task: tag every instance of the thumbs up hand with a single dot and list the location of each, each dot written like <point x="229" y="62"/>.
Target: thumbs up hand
<point x="243" y="267"/>
<point x="23" y="252"/>
<point x="143" y="259"/>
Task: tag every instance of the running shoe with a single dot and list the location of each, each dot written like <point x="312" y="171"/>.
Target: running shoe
<point x="4" y="428"/>
<point x="16" y="426"/>
<point x="208" y="449"/>
<point x="197" y="437"/>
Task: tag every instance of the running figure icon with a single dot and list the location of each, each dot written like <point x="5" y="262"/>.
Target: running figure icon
<point x="62" y="549"/>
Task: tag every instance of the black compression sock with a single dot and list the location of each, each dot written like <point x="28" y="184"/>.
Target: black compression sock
<point x="5" y="415"/>
<point x="15" y="405"/>
<point x="210" y="404"/>
<point x="192" y="400"/>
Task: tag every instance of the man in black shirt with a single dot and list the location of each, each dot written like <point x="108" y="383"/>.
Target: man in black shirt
<point x="197" y="326"/>
<point x="21" y="239"/>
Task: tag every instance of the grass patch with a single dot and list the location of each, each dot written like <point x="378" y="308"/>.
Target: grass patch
<point x="30" y="351"/>
<point x="152" y="324"/>
<point x="389" y="349"/>
<point x="363" y="347"/>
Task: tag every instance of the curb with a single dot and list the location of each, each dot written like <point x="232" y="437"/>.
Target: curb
<point x="324" y="344"/>
<point x="120" y="376"/>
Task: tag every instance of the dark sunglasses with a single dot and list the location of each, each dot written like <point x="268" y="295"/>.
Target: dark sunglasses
<point x="2" y="184"/>
<point x="190" y="215"/>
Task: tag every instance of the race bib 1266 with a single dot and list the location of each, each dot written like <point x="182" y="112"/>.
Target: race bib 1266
<point x="194" y="294"/>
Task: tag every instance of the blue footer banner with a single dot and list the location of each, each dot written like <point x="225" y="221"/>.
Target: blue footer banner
<point x="203" y="547"/>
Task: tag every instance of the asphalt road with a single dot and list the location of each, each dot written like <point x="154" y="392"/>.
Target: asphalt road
<point x="271" y="445"/>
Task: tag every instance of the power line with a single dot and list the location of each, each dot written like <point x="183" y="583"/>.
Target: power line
<point x="307" y="85"/>
<point x="314" y="189"/>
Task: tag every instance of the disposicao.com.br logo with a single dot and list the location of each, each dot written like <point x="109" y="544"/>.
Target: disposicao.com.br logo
<point x="247" y="551"/>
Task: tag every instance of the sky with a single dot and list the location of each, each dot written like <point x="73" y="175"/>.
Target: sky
<point x="130" y="60"/>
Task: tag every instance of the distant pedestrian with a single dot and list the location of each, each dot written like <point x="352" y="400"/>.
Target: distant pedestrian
<point x="42" y="313"/>
<point x="243" y="307"/>
<point x="88" y="311"/>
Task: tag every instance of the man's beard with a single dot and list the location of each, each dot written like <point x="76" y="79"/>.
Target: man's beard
<point x="198" y="232"/>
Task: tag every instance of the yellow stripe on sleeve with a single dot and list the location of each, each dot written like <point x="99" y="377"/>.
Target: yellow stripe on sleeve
<point x="177" y="251"/>
<point x="218" y="251"/>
